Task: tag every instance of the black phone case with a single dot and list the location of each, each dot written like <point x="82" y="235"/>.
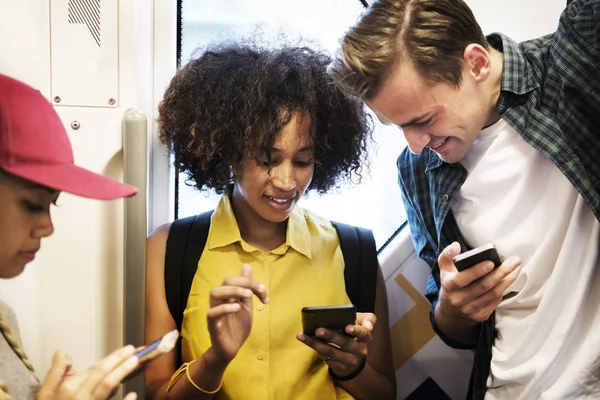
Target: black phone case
<point x="485" y="255"/>
<point x="334" y="318"/>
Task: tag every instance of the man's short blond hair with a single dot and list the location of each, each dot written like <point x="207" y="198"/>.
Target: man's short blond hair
<point x="431" y="35"/>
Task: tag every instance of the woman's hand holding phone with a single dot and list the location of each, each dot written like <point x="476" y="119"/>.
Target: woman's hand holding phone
<point x="344" y="353"/>
<point x="98" y="382"/>
<point x="230" y="313"/>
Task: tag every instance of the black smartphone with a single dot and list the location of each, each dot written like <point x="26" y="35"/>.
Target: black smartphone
<point x="473" y="257"/>
<point x="334" y="318"/>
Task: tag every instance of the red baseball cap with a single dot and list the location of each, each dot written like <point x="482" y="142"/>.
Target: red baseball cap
<point x="34" y="145"/>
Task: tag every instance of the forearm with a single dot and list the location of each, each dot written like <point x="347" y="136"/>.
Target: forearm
<point x="457" y="329"/>
<point x="370" y="385"/>
<point x="206" y="372"/>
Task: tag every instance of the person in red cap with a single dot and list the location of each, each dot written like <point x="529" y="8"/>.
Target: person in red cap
<point x="36" y="164"/>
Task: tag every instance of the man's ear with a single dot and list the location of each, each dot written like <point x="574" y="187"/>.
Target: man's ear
<point x="477" y="62"/>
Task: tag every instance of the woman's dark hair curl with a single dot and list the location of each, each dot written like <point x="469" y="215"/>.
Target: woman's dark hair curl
<point x="234" y="99"/>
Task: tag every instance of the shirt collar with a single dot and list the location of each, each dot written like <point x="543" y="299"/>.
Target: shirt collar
<point x="225" y="230"/>
<point x="516" y="71"/>
<point x="433" y="160"/>
<point x="298" y="235"/>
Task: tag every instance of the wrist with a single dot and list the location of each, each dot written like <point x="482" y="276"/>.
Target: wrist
<point x="349" y="375"/>
<point x="455" y="331"/>
<point x="206" y="372"/>
<point x="443" y="315"/>
<point x="211" y="359"/>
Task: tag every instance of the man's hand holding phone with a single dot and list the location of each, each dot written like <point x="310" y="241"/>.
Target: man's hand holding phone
<point x="470" y="296"/>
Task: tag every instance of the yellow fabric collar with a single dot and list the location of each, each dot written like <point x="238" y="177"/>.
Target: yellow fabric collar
<point x="224" y="230"/>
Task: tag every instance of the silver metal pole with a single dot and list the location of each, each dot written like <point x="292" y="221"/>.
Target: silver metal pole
<point x="135" y="166"/>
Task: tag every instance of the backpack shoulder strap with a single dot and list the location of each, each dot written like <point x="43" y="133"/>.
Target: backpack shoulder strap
<point x="185" y="243"/>
<point x="361" y="264"/>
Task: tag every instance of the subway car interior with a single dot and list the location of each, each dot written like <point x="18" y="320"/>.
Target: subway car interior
<point x="104" y="66"/>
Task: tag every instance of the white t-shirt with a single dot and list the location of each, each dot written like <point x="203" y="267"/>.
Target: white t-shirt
<point x="548" y="329"/>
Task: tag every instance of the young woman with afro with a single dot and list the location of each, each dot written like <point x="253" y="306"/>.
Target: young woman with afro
<point x="262" y="126"/>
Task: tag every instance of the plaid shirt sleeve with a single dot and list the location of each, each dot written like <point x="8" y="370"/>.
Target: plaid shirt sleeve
<point x="423" y="247"/>
<point x="418" y="229"/>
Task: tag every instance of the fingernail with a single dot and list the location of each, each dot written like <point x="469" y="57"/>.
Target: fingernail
<point x="351" y="329"/>
<point x="515" y="261"/>
<point x="487" y="267"/>
<point x="301" y="337"/>
<point x="247" y="292"/>
<point x="262" y="287"/>
<point x="454" y="248"/>
<point x="320" y="332"/>
<point x="266" y="300"/>
<point x="58" y="357"/>
<point x="129" y="348"/>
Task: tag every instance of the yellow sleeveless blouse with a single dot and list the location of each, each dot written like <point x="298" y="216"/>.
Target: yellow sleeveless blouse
<point x="307" y="270"/>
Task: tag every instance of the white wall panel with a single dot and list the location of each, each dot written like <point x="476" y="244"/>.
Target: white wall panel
<point x="84" y="43"/>
<point x="70" y="297"/>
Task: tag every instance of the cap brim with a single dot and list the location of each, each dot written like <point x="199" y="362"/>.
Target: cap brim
<point x="75" y="180"/>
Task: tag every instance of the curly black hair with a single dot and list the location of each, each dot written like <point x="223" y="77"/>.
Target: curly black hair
<point x="234" y="99"/>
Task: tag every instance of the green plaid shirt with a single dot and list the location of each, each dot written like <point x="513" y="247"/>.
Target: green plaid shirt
<point x="550" y="93"/>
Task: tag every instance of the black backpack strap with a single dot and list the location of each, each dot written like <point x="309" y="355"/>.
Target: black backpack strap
<point x="185" y="243"/>
<point x="361" y="265"/>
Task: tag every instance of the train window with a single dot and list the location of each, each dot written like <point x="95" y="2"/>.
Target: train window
<point x="375" y="203"/>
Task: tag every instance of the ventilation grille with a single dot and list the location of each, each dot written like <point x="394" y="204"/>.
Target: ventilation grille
<point x="86" y="12"/>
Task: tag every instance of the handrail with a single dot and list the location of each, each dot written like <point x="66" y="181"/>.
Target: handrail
<point x="135" y="170"/>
